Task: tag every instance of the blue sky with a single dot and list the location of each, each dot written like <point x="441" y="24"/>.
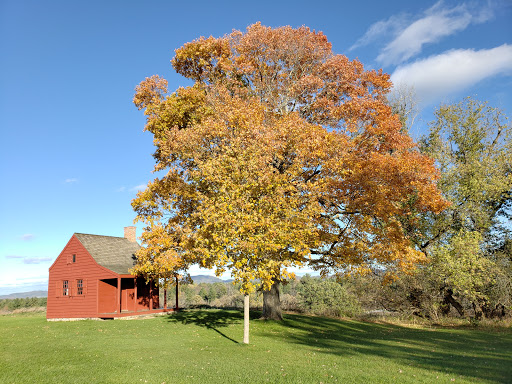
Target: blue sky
<point x="73" y="153"/>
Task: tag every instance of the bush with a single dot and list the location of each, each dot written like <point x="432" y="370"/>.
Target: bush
<point x="196" y="300"/>
<point x="229" y="301"/>
<point x="327" y="298"/>
<point x="289" y="302"/>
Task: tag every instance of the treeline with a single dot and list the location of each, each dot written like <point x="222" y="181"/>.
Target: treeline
<point x="353" y="296"/>
<point x="306" y="294"/>
<point x="311" y="295"/>
<point x="29" y="302"/>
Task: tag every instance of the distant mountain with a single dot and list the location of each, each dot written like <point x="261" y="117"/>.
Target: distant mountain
<point x="198" y="279"/>
<point x="22" y="295"/>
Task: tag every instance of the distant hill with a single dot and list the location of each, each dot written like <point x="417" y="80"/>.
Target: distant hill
<point x="198" y="279"/>
<point x="22" y="295"/>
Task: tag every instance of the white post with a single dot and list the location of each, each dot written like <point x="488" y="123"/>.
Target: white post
<point x="246" y="319"/>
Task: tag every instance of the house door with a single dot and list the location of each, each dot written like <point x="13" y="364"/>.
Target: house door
<point x="127" y="295"/>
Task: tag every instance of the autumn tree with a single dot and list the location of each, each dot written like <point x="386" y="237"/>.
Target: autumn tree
<point x="281" y="154"/>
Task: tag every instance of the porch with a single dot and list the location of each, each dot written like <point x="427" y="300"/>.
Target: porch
<point x="129" y="296"/>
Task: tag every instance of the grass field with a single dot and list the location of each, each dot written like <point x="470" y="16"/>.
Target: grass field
<point x="205" y="347"/>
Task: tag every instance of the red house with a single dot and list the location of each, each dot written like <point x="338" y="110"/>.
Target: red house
<point x="90" y="279"/>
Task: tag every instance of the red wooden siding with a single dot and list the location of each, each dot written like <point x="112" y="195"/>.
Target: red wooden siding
<point x="84" y="268"/>
<point x="104" y="293"/>
<point x="107" y="296"/>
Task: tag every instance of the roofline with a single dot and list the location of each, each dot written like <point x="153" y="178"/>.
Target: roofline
<point x="92" y="234"/>
<point x="98" y="264"/>
<point x="86" y="250"/>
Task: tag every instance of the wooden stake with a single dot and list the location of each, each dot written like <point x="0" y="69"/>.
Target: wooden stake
<point x="246" y="319"/>
<point x="177" y="289"/>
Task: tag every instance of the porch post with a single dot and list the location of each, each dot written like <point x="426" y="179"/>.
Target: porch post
<point x="165" y="297"/>
<point x="135" y="294"/>
<point x="151" y="295"/>
<point x="118" y="296"/>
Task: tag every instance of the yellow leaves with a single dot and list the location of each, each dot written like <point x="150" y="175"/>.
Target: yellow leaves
<point x="204" y="59"/>
<point x="279" y="153"/>
<point x="149" y="91"/>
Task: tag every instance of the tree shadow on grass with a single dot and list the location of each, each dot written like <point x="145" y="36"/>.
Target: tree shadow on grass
<point x="471" y="353"/>
<point x="210" y="319"/>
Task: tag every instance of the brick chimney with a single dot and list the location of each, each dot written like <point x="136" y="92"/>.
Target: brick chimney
<point x="130" y="234"/>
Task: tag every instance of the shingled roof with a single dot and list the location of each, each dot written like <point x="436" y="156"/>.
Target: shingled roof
<point x="114" y="253"/>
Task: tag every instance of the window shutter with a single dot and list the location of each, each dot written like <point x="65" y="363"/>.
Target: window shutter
<point x="58" y="288"/>
<point x="84" y="284"/>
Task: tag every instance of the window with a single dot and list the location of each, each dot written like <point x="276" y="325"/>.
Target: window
<point x="79" y="287"/>
<point x="65" y="288"/>
<point x="74" y="258"/>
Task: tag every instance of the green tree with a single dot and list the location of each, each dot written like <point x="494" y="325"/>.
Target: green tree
<point x="203" y="292"/>
<point x="188" y="292"/>
<point x="220" y="289"/>
<point x="212" y="293"/>
<point x="471" y="143"/>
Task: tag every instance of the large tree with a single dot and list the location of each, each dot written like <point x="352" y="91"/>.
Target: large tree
<point x="472" y="143"/>
<point x="281" y="154"/>
<point x="468" y="243"/>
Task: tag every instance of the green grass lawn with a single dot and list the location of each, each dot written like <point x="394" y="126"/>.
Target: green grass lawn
<point x="204" y="346"/>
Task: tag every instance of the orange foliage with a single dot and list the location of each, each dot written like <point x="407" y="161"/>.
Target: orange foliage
<point x="282" y="154"/>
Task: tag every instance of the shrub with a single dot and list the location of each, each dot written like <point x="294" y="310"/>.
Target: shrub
<point x="326" y="297"/>
<point x="289" y="302"/>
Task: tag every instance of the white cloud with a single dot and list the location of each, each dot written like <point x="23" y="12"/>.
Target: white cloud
<point x="17" y="277"/>
<point x="452" y="71"/>
<point x="27" y="237"/>
<point x="426" y="30"/>
<point x="381" y="29"/>
<point x="28" y="278"/>
<point x="30" y="260"/>
<point x="409" y="34"/>
<point x="139" y="187"/>
<point x="36" y="260"/>
<point x="71" y="180"/>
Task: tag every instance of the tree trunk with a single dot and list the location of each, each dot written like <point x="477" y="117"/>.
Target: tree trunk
<point x="272" y="303"/>
<point x="449" y="299"/>
<point x="478" y="311"/>
<point x="246" y="319"/>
